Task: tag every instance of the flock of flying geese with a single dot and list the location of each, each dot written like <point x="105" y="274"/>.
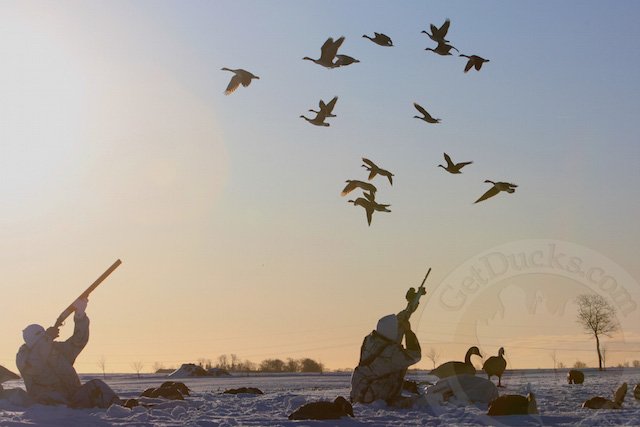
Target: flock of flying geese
<point x="330" y="58"/>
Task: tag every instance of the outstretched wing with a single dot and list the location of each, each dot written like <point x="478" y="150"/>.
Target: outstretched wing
<point x="330" y="48"/>
<point x="233" y="84"/>
<point x="421" y="109"/>
<point x="331" y="104"/>
<point x="448" y="159"/>
<point x="348" y="188"/>
<point x="469" y="65"/>
<point x="490" y="193"/>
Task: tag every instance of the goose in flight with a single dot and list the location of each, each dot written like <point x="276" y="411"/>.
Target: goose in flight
<point x="497" y="187"/>
<point x="443" y="49"/>
<point x="474" y="61"/>
<point x="328" y="52"/>
<point x="376" y="170"/>
<point x="453" y="167"/>
<point x="241" y="77"/>
<point x="457" y="368"/>
<point x="344" y="60"/>
<point x="352" y="184"/>
<point x="326" y="109"/>
<point x="318" y="120"/>
<point x="380" y="39"/>
<point x="438" y="34"/>
<point x="369" y="205"/>
<point x="427" y="117"/>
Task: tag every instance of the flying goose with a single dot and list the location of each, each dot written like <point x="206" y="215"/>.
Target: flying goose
<point x="328" y="52"/>
<point x="370" y="205"/>
<point x="326" y="109"/>
<point x="497" y="187"/>
<point x="474" y="61"/>
<point x="426" y="116"/>
<point x="241" y="77"/>
<point x="602" y="403"/>
<point x="380" y="39"/>
<point x="457" y="368"/>
<point x="318" y="120"/>
<point x="453" y="167"/>
<point x="376" y="170"/>
<point x="442" y="49"/>
<point x="513" y="404"/>
<point x="344" y="60"/>
<point x="438" y="34"/>
<point x="495" y="365"/>
<point x="352" y="184"/>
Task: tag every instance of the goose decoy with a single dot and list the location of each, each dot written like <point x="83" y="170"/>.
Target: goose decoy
<point x="443" y="49"/>
<point x="457" y="368"/>
<point x="497" y="187"/>
<point x="323" y="410"/>
<point x="241" y="77"/>
<point x="352" y="184"/>
<point x="380" y="39"/>
<point x="513" y="404"/>
<point x="438" y="34"/>
<point x="376" y="170"/>
<point x="602" y="403"/>
<point x="636" y="391"/>
<point x="453" y="167"/>
<point x="318" y="120"/>
<point x="326" y="109"/>
<point x="344" y="60"/>
<point x="474" y="61"/>
<point x="575" y="377"/>
<point x="426" y="116"/>
<point x="7" y="375"/>
<point x="328" y="52"/>
<point x="370" y="205"/>
<point x="495" y="365"/>
<point x="243" y="390"/>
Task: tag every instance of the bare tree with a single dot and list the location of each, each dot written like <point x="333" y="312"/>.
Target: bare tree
<point x="604" y="357"/>
<point x="433" y="355"/>
<point x="554" y="357"/>
<point x="157" y="367"/>
<point x="102" y="363"/>
<point x="636" y="363"/>
<point x="579" y="365"/>
<point x="597" y="317"/>
<point x="137" y="367"/>
<point x="223" y="362"/>
<point x="235" y="360"/>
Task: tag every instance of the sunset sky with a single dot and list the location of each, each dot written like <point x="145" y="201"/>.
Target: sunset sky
<point x="116" y="141"/>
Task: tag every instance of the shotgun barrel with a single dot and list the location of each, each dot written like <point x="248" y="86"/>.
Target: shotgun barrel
<point x="67" y="312"/>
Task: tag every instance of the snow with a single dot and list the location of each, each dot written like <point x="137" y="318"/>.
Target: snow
<point x="558" y="402"/>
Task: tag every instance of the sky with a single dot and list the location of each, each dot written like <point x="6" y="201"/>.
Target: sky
<point x="117" y="142"/>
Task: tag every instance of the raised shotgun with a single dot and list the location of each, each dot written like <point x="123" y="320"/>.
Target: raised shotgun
<point x="67" y="312"/>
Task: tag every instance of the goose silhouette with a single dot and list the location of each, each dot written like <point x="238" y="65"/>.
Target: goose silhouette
<point x="344" y="60"/>
<point x="376" y="170"/>
<point x="497" y="187"/>
<point x="323" y="410"/>
<point x="513" y="404"/>
<point x="318" y="120"/>
<point x="474" y="61"/>
<point x="328" y="52"/>
<point x="438" y="34"/>
<point x="453" y="167"/>
<point x="380" y="39"/>
<point x="326" y="109"/>
<point x="443" y="49"/>
<point x="599" y="402"/>
<point x="241" y="77"/>
<point x="457" y="368"/>
<point x="352" y="184"/>
<point x="370" y="205"/>
<point x="426" y="116"/>
<point x="495" y="365"/>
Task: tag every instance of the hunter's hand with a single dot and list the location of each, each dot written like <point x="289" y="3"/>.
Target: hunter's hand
<point x="53" y="332"/>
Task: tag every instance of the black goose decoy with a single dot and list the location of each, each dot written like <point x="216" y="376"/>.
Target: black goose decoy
<point x="495" y="365"/>
<point x="497" y="187"/>
<point x="370" y="205"/>
<point x="513" y="404"/>
<point x="443" y="49"/>
<point x="575" y="377"/>
<point x="474" y="61"/>
<point x="241" y="77"/>
<point x="453" y="167"/>
<point x="438" y="34"/>
<point x="318" y="120"/>
<point x="457" y="368"/>
<point x="344" y="60"/>
<point x="328" y="52"/>
<point x="426" y="116"/>
<point x="599" y="402"/>
<point x="352" y="184"/>
<point x="323" y="410"/>
<point x="376" y="170"/>
<point x="326" y="109"/>
<point x="380" y="39"/>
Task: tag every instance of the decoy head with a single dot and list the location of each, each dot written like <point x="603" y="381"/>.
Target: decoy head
<point x="344" y="405"/>
<point x="501" y="351"/>
<point x="475" y="350"/>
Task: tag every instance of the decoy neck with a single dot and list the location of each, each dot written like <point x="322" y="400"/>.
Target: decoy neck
<point x="473" y="350"/>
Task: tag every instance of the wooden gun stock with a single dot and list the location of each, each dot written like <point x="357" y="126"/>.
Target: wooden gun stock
<point x="67" y="312"/>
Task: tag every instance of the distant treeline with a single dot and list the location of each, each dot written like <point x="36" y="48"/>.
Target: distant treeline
<point x="233" y="363"/>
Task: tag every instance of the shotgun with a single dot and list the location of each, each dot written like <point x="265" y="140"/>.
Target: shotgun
<point x="413" y="296"/>
<point x="67" y="312"/>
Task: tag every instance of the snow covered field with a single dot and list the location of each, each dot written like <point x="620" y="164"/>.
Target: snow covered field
<point x="558" y="403"/>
